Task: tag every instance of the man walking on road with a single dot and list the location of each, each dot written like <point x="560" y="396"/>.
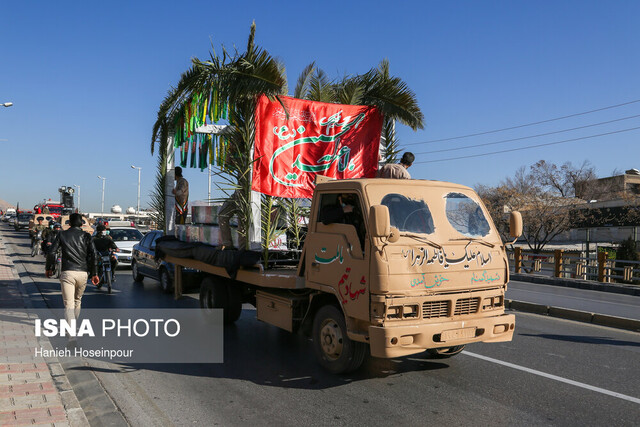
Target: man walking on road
<point x="78" y="258"/>
<point x="399" y="170"/>
<point x="181" y="192"/>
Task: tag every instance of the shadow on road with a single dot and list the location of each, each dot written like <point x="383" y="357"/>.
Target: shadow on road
<point x="265" y="355"/>
<point x="583" y="339"/>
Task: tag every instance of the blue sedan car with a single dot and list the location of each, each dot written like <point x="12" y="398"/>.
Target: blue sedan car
<point x="143" y="264"/>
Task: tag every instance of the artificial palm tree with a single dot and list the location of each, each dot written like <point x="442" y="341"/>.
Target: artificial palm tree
<point x="392" y="96"/>
<point x="236" y="81"/>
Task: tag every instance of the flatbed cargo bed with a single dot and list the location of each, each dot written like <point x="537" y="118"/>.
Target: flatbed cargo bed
<point x="282" y="278"/>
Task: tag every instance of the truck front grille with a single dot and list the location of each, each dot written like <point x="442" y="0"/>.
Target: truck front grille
<point x="435" y="309"/>
<point x="466" y="306"/>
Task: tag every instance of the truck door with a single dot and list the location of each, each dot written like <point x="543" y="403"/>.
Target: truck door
<point x="337" y="252"/>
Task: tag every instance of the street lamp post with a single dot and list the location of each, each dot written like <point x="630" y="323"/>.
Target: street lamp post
<point x="209" y="187"/>
<point x="78" y="187"/>
<point x="7" y="104"/>
<point x="139" y="169"/>
<point x="103" y="180"/>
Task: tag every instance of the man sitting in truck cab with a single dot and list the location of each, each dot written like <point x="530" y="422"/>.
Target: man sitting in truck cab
<point x="343" y="209"/>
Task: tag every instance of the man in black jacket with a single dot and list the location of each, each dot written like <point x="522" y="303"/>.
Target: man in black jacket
<point x="105" y="245"/>
<point x="78" y="259"/>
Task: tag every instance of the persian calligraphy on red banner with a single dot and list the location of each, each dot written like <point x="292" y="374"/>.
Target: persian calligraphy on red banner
<point x="318" y="138"/>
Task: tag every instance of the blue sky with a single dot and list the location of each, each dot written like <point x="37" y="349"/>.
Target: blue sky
<point x="86" y="79"/>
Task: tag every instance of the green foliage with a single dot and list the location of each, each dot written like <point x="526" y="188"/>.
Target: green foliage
<point x="270" y="217"/>
<point x="390" y="144"/>
<point x="294" y="211"/>
<point x="611" y="252"/>
<point x="627" y="250"/>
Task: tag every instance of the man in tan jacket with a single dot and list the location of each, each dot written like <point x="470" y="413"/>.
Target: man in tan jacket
<point x="397" y="170"/>
<point x="181" y="192"/>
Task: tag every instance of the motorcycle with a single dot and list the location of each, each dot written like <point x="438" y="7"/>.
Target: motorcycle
<point x="104" y="270"/>
<point x="57" y="267"/>
<point x="36" y="246"/>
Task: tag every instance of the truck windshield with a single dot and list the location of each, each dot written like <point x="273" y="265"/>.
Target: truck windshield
<point x="465" y="215"/>
<point x="408" y="215"/>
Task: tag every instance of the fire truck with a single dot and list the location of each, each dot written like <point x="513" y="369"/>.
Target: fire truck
<point x="57" y="209"/>
<point x="49" y="207"/>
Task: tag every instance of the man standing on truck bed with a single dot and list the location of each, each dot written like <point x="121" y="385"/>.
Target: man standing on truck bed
<point x="397" y="170"/>
<point x="181" y="192"/>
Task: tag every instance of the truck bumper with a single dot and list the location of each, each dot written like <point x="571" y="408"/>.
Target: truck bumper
<point x="401" y="340"/>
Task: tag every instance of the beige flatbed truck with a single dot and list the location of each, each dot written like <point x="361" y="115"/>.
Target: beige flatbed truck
<point x="390" y="267"/>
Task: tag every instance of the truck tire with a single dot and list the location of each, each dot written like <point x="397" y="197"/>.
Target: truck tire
<point x="234" y="306"/>
<point x="165" y="280"/>
<point x="445" y="352"/>
<point x="335" y="351"/>
<point x="216" y="293"/>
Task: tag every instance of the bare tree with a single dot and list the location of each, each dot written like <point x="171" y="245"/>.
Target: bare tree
<point x="544" y="195"/>
<point x="564" y="179"/>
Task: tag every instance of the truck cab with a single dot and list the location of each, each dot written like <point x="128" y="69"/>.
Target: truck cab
<point x="414" y="265"/>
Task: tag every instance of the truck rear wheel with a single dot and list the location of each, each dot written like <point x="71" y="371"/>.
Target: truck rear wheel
<point x="218" y="294"/>
<point x="335" y="351"/>
<point x="445" y="352"/>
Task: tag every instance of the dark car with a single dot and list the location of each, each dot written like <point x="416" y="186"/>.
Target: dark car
<point x="22" y="221"/>
<point x="143" y="264"/>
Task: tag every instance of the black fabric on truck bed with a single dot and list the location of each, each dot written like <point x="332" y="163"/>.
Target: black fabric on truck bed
<point x="230" y="259"/>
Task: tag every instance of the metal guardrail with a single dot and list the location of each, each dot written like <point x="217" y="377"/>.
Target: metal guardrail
<point x="574" y="266"/>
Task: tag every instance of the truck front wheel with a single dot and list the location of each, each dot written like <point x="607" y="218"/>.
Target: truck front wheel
<point x="335" y="351"/>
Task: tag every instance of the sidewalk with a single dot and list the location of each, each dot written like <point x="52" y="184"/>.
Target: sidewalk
<point x="35" y="393"/>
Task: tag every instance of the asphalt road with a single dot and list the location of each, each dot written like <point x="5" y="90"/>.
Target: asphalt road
<point x="554" y="372"/>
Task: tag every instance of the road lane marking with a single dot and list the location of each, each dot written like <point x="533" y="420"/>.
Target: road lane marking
<point x="555" y="377"/>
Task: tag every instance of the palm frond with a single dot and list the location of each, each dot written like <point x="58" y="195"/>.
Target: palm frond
<point x="391" y="95"/>
<point x="390" y="144"/>
<point x="320" y="87"/>
<point x="349" y="92"/>
<point x="302" y="86"/>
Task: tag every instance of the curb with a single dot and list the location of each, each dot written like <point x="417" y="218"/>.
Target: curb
<point x="617" y="288"/>
<point x="575" y="315"/>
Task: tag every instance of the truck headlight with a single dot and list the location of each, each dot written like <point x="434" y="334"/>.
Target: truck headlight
<point x="492" y="303"/>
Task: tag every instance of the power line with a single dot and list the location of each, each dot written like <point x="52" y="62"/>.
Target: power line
<point x="524" y="125"/>
<point x="528" y="137"/>
<point x="528" y="147"/>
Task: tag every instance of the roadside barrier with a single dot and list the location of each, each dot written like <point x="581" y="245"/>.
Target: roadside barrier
<point x="575" y="266"/>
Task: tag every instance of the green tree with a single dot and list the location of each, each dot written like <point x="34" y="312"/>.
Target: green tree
<point x="627" y="250"/>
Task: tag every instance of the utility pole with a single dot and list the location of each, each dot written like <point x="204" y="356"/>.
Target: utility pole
<point x="139" y="170"/>
<point x="209" y="187"/>
<point x="78" y="187"/>
<point x="102" y="205"/>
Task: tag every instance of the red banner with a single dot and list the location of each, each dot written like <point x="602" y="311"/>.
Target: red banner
<point x="339" y="141"/>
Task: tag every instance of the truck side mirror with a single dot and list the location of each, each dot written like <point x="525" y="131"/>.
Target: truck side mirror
<point x="379" y="222"/>
<point x="515" y="224"/>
